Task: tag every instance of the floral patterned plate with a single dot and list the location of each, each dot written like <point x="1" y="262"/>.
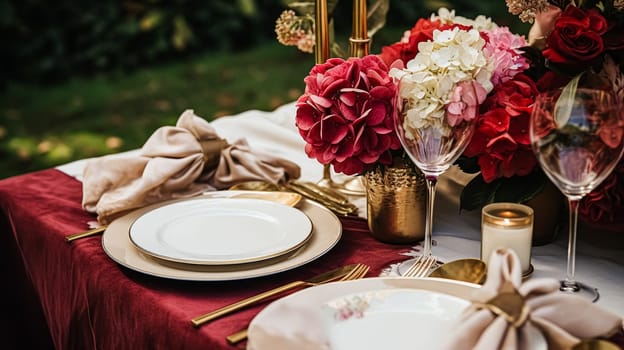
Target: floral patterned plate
<point x="392" y="319"/>
<point x="370" y="313"/>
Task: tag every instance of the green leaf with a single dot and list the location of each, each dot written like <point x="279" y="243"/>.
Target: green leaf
<point x="563" y="107"/>
<point x="247" y="7"/>
<point x="377" y="11"/>
<point x="519" y="189"/>
<point x="308" y="7"/>
<point x="303" y="7"/>
<point x="182" y="33"/>
<point x="477" y="193"/>
<point x="468" y="165"/>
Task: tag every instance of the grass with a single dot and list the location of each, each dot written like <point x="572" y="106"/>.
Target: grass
<point x="44" y="126"/>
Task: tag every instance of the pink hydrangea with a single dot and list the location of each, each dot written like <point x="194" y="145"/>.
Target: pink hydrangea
<point x="465" y="101"/>
<point x="345" y="114"/>
<point x="503" y="49"/>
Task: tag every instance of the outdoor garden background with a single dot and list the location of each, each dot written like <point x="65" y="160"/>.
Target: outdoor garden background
<point x="86" y="78"/>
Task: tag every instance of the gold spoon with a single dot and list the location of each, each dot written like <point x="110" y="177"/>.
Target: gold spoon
<point x="467" y="270"/>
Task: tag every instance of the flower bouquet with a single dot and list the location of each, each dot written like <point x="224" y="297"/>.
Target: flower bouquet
<point x="571" y="44"/>
<point x="346" y="113"/>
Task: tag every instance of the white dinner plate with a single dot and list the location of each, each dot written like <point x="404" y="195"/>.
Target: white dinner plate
<point x="220" y="231"/>
<point x="391" y="319"/>
<point x="326" y="232"/>
<point x="299" y="321"/>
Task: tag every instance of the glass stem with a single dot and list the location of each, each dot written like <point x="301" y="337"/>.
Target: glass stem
<point x="570" y="285"/>
<point x="431" y="181"/>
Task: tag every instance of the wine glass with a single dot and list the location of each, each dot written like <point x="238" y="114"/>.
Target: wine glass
<point x="576" y="135"/>
<point x="433" y="141"/>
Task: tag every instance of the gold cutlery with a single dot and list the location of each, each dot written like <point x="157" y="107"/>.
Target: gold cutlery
<point x="355" y="274"/>
<point x="467" y="270"/>
<point x="330" y="193"/>
<point x="92" y="232"/>
<point x="330" y="276"/>
<point x="335" y="202"/>
<point x="420" y="268"/>
<point x="287" y="198"/>
<point x="326" y="193"/>
<point x="595" y="344"/>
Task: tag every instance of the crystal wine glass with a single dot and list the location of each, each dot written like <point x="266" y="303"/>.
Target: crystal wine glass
<point x="432" y="140"/>
<point x="576" y="135"/>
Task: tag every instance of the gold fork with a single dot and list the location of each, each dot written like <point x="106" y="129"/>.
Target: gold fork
<point x="421" y="267"/>
<point x="330" y="276"/>
<point x="357" y="273"/>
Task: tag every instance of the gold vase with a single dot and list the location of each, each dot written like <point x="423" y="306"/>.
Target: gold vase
<point x="396" y="202"/>
<point x="549" y="207"/>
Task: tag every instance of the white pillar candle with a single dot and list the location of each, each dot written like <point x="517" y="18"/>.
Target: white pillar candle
<point x="507" y="225"/>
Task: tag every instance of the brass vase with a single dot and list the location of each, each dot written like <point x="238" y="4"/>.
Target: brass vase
<point x="396" y="202"/>
<point x="549" y="207"/>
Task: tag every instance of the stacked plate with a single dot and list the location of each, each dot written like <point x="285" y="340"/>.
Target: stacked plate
<point x="225" y="235"/>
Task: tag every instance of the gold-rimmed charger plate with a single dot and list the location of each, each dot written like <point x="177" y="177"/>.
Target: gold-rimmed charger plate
<point x="326" y="232"/>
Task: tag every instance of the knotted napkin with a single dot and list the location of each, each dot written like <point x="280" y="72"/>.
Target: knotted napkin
<point x="505" y="309"/>
<point x="176" y="162"/>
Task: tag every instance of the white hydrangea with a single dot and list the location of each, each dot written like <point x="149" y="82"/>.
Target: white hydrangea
<point x="479" y="23"/>
<point x="428" y="80"/>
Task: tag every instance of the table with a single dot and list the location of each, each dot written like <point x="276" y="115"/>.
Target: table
<point x="74" y="296"/>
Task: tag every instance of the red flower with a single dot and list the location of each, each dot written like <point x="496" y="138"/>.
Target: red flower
<point x="577" y="37"/>
<point x="604" y="204"/>
<point x="551" y="81"/>
<point x="407" y="48"/>
<point x="501" y="140"/>
<point x="345" y="114"/>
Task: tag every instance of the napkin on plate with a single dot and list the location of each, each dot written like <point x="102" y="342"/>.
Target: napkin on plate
<point x="176" y="162"/>
<point x="563" y="319"/>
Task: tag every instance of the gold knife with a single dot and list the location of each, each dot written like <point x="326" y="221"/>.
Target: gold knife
<point x="325" y="277"/>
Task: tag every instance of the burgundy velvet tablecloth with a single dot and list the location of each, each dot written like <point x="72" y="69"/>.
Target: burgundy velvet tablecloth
<point x="73" y="296"/>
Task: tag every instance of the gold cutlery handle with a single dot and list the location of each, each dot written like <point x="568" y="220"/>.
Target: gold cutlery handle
<point x="91" y="232"/>
<point x="198" y="321"/>
<point x="336" y="207"/>
<point x="237" y="337"/>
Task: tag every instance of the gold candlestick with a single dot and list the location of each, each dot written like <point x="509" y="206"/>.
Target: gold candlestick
<point x="359" y="47"/>
<point x="321" y="52"/>
<point x="359" y="40"/>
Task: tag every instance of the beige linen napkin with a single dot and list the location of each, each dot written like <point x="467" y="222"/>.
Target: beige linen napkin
<point x="563" y="319"/>
<point x="176" y="162"/>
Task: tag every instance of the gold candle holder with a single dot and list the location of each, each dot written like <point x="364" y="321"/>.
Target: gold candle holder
<point x="507" y="225"/>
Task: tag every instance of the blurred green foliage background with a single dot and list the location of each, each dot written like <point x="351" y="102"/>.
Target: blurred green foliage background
<point x="86" y="78"/>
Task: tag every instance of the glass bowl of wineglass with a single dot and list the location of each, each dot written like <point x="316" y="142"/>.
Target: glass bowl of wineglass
<point x="577" y="136"/>
<point x="433" y="137"/>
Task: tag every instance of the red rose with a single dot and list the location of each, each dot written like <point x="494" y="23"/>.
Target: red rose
<point x="577" y="37"/>
<point x="345" y="114"/>
<point x="551" y="81"/>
